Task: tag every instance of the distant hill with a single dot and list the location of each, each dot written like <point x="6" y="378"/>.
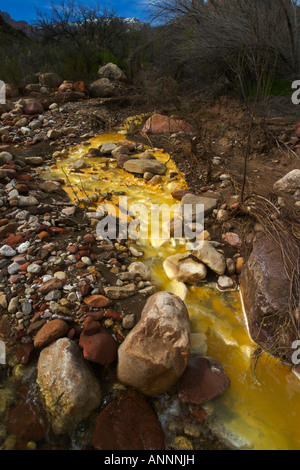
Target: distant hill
<point x="20" y="25"/>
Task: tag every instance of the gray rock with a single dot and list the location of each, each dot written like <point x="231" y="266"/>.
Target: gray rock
<point x="78" y="165"/>
<point x="142" y="166"/>
<point x="208" y="255"/>
<point x="107" y="148"/>
<point x="25" y="201"/>
<point x="112" y="72"/>
<point x="6" y="250"/>
<point x="209" y="204"/>
<point x="102" y="88"/>
<point x="290" y="183"/>
<point x="120" y="292"/>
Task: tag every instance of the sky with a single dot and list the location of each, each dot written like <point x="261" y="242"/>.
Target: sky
<point x="26" y="9"/>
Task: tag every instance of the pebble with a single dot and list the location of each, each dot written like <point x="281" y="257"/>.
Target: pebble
<point x="6" y="250"/>
<point x="13" y="268"/>
<point x="23" y="247"/>
<point x="34" y="268"/>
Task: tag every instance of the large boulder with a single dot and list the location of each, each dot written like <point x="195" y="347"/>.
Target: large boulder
<point x="102" y="88"/>
<point x="159" y="123"/>
<point x="266" y="286"/>
<point x="112" y="72"/>
<point x="68" y="386"/>
<point x="50" y="80"/>
<point x="155" y="353"/>
<point x="184" y="269"/>
<point x="142" y="166"/>
<point x="128" y="424"/>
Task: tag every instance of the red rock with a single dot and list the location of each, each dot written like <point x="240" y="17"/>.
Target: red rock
<point x="96" y="315"/>
<point x="33" y="107"/>
<point x="25" y="178"/>
<point x="51" y="285"/>
<point x="159" y="123"/>
<point x="25" y="353"/>
<point x="3" y="222"/>
<point x="44" y="236"/>
<point x="91" y="328"/>
<point x="89" y="238"/>
<point x="72" y="249"/>
<point x="79" y="87"/>
<point x="23" y="267"/>
<point x="232" y="239"/>
<point x="179" y="193"/>
<point x="100" y="347"/>
<point x="97" y="301"/>
<point x="51" y="331"/>
<point x="202" y="380"/>
<point x="85" y="289"/>
<point x="26" y="423"/>
<point x="128" y="424"/>
<point x="111" y="313"/>
<point x="8" y="229"/>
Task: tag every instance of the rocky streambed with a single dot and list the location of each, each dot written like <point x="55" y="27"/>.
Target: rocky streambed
<point x="125" y="344"/>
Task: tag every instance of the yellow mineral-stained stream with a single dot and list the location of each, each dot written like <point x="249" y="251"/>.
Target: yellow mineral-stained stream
<point x="261" y="409"/>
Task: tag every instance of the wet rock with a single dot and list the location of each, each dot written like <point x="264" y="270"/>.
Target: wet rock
<point x="128" y="424"/>
<point x="61" y="368"/>
<point x="225" y="283"/>
<point x="100" y="348"/>
<point x="51" y="331"/>
<point x="203" y="379"/>
<point x="26" y="423"/>
<point x="159" y="123"/>
<point x="208" y="255"/>
<point x="50" y="186"/>
<point x="25" y="353"/>
<point x="154" y="354"/>
<point x="78" y="165"/>
<point x="107" y="148"/>
<point x="184" y="269"/>
<point x="142" y="166"/>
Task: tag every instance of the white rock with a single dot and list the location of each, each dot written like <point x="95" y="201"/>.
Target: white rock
<point x="6" y="250"/>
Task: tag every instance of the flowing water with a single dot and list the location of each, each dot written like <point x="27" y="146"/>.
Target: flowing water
<point x="261" y="409"/>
